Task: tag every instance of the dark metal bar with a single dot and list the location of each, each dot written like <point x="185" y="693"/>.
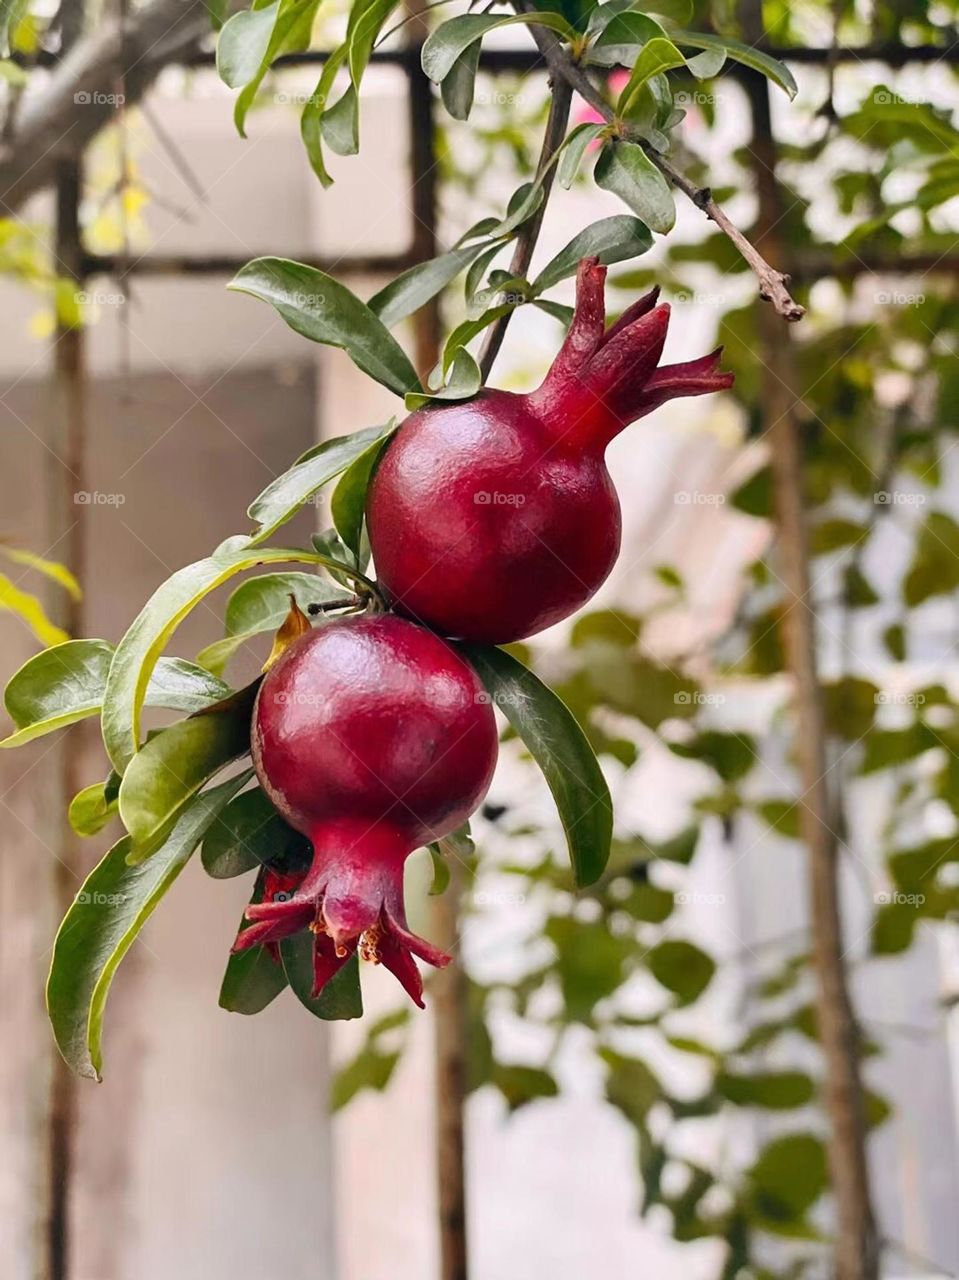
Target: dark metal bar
<point x="890" y="53"/>
<point x="99" y="264"/>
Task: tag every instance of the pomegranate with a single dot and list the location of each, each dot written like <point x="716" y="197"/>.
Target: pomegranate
<point x="493" y="518"/>
<point x="372" y="737"/>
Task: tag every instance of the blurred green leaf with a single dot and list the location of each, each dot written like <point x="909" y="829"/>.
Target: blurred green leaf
<point x="682" y="968"/>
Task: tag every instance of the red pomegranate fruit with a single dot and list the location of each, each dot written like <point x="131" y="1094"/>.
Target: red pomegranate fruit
<point x="372" y="737"/>
<point x="491" y="519"/>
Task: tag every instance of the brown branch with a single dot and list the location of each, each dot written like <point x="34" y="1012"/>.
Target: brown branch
<point x="772" y="283"/>
<point x="79" y="97"/>
<point x="856" y="1241"/>
<point x="560" y="102"/>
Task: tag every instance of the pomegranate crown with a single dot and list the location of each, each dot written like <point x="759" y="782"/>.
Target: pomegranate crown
<point x="610" y="377"/>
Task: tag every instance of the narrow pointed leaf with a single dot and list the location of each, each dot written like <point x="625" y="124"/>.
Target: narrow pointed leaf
<point x="105" y="920"/>
<point x="348" y="503"/>
<point x="323" y="310"/>
<point x="415" y="287"/>
<point x="610" y="240"/>
<point x="169" y="771"/>
<point x="747" y="54"/>
<point x="559" y="746"/>
<point x="258" y="606"/>
<point x="449" y="41"/>
<point x="283" y="498"/>
<point x="138" y="651"/>
<point x="66" y="683"/>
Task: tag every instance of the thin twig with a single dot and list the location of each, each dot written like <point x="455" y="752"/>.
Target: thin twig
<point x="562" y="97"/>
<point x="772" y="283"/>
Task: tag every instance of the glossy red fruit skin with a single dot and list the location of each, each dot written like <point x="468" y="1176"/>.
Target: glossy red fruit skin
<point x="462" y="515"/>
<point x="493" y="518"/>
<point x="374" y="720"/>
<point x="372" y="736"/>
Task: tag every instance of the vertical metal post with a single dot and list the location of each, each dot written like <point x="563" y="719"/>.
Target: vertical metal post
<point x="449" y="987"/>
<point x="65" y="538"/>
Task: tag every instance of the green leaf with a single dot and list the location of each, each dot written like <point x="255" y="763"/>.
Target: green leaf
<point x="250" y="833"/>
<point x="253" y="979"/>
<point x="284" y="496"/>
<point x="291" y="32"/>
<point x="340" y="998"/>
<point x="464" y="380"/>
<point x="441" y="872"/>
<point x="682" y="968"/>
<point x="415" y="287"/>
<point x="453" y="38"/>
<point x="138" y="651"/>
<point x="707" y="64"/>
<point x="559" y="746"/>
<point x="774" y="1090"/>
<point x="747" y="54"/>
<point x="655" y="57"/>
<point x="341" y="124"/>
<point x="365" y="21"/>
<point x="67" y="682"/>
<point x="459" y="84"/>
<point x="109" y="911"/>
<point x="622" y="38"/>
<point x="788" y="1178"/>
<point x="261" y="605"/>
<point x="935" y="566"/>
<point x="242" y="44"/>
<point x="625" y="169"/>
<point x="577" y="144"/>
<point x="591" y="963"/>
<point x="610" y="240"/>
<point x="349" y="497"/>
<point x="370" y="1069"/>
<point x="311" y="120"/>
<point x="323" y="310"/>
<point x="167" y="773"/>
<point x="93" y="807"/>
<point x="520" y="1085"/>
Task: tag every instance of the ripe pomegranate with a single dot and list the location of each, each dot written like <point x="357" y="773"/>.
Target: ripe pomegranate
<point x="493" y="518"/>
<point x="373" y="737"/>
